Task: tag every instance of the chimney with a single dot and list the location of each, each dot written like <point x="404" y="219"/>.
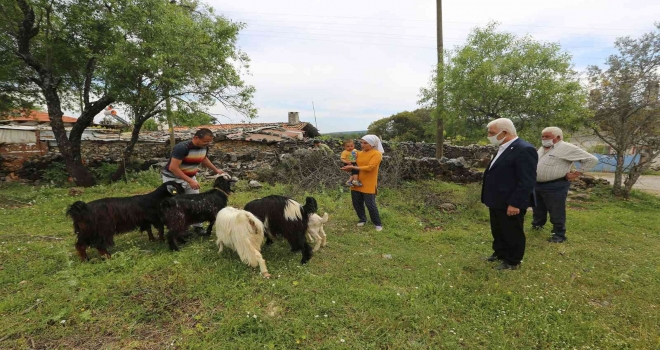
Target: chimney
<point x="293" y="118"/>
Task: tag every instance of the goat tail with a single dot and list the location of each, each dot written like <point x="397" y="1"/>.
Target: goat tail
<point x="310" y="206"/>
<point x="249" y="238"/>
<point x="79" y="211"/>
<point x="324" y="218"/>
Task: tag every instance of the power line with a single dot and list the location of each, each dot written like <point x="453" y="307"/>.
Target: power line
<point x="408" y="27"/>
<point x="393" y="37"/>
<point x="343" y="31"/>
<point x="423" y="20"/>
<point x="338" y="41"/>
<point x="395" y="45"/>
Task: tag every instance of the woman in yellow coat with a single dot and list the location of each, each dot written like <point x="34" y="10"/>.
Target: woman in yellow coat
<point x="368" y="162"/>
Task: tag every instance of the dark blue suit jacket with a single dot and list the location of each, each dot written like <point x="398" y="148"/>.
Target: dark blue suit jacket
<point x="511" y="179"/>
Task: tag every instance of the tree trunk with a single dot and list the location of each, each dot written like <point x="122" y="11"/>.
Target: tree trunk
<point x="70" y="150"/>
<point x="633" y="175"/>
<point x="618" y="175"/>
<point x="128" y="152"/>
<point x="439" y="122"/>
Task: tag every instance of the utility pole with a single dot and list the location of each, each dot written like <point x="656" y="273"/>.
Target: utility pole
<point x="439" y="123"/>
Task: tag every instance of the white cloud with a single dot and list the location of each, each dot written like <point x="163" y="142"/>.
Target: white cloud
<point x="364" y="60"/>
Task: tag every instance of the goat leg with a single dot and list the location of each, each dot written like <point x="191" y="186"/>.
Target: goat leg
<point x="210" y="228"/>
<point x="323" y="237"/>
<point x="103" y="252"/>
<point x="262" y="263"/>
<point x="81" y="249"/>
<point x="161" y="231"/>
<point x="148" y="229"/>
<point x="306" y="251"/>
<point x="170" y="240"/>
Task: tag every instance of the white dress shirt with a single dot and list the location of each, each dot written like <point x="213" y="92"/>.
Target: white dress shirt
<point x="501" y="150"/>
<point x="556" y="162"/>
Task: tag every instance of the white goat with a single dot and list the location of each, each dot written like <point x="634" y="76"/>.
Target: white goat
<point x="315" y="230"/>
<point x="241" y="231"/>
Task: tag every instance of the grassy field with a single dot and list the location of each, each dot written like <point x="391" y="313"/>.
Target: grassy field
<point x="418" y="284"/>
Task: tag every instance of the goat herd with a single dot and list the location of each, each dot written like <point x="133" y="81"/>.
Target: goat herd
<point x="95" y="223"/>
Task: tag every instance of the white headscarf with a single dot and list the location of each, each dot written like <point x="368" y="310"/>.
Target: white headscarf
<point x="374" y="141"/>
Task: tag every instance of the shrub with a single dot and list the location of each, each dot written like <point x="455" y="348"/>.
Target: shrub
<point x="103" y="172"/>
<point x="56" y="174"/>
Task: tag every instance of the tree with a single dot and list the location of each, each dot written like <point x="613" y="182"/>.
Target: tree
<point x="497" y="74"/>
<point x="191" y="60"/>
<point x="625" y="105"/>
<point x="415" y="126"/>
<point x="59" y="46"/>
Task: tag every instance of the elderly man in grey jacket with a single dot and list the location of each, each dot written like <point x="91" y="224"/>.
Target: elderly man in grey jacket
<point x="553" y="176"/>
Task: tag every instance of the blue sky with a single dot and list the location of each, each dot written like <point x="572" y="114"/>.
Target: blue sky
<point x="363" y="60"/>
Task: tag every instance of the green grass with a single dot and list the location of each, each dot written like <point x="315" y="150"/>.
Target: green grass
<point x="597" y="291"/>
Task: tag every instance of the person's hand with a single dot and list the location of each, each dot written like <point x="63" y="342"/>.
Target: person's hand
<point x="193" y="184"/>
<point x="573" y="175"/>
<point x="348" y="168"/>
<point x="511" y="211"/>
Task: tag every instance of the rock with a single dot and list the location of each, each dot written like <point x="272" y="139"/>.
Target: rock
<point x="580" y="196"/>
<point x="73" y="192"/>
<point x="254" y="184"/>
<point x="448" y="206"/>
<point x="387" y="256"/>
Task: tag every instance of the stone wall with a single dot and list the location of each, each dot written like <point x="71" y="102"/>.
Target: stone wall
<point x="242" y="158"/>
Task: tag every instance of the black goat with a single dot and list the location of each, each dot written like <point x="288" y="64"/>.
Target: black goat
<point x="95" y="223"/>
<point x="285" y="217"/>
<point x="181" y="211"/>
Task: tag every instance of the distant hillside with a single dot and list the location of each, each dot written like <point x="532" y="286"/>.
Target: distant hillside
<point x="346" y="133"/>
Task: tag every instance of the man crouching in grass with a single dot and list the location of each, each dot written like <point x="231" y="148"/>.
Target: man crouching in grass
<point x="184" y="163"/>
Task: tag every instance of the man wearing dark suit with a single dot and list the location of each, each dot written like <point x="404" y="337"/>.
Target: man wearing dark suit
<point x="507" y="191"/>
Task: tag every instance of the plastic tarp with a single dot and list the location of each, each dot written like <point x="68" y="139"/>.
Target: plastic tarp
<point x="17" y="136"/>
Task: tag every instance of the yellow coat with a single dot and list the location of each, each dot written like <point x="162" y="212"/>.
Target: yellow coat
<point x="368" y="163"/>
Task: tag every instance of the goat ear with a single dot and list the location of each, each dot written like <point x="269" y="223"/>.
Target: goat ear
<point x="171" y="189"/>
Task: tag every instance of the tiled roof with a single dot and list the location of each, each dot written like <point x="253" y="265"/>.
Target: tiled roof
<point x="298" y="126"/>
<point x="39" y="116"/>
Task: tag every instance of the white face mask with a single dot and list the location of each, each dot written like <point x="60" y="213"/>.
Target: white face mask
<point x="547" y="143"/>
<point x="493" y="139"/>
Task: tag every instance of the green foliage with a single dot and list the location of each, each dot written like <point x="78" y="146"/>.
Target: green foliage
<point x="599" y="149"/>
<point x="625" y="103"/>
<point x="416" y="126"/>
<point x="496" y="74"/>
<point x="434" y="293"/>
<point x="192" y="118"/>
<point x="56" y="174"/>
<point x="150" y="125"/>
<point x="184" y="52"/>
<point x="103" y="172"/>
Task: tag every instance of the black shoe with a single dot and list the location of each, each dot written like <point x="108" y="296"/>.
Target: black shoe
<point x="492" y="258"/>
<point x="537" y="228"/>
<point x="506" y="266"/>
<point x="556" y="239"/>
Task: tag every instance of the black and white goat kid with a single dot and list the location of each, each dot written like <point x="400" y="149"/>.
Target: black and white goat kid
<point x="285" y="217"/>
<point x="181" y="211"/>
<point x="95" y="223"/>
<point x="241" y="231"/>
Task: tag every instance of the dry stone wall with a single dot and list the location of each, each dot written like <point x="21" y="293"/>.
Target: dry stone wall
<point x="244" y="158"/>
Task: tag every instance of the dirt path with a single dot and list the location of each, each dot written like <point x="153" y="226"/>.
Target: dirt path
<point x="646" y="183"/>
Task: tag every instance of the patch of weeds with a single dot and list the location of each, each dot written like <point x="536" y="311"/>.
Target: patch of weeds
<point x="56" y="174"/>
